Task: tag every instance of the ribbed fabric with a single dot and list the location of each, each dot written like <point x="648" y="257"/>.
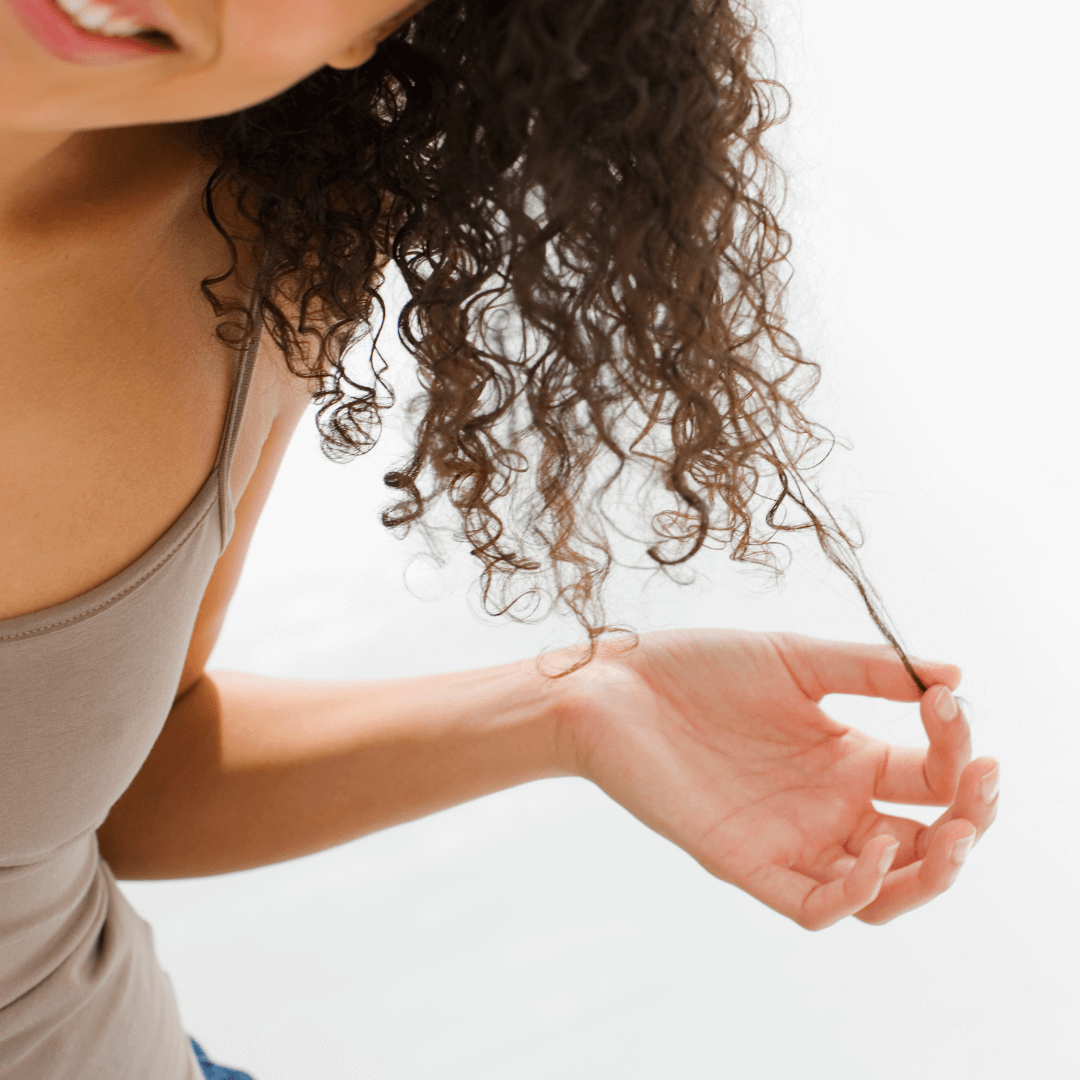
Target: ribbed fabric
<point x="85" y="688"/>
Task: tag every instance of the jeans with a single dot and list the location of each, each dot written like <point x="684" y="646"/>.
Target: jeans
<point x="216" y="1072"/>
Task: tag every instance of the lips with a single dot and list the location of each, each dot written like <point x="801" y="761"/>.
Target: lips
<point x="108" y="19"/>
<point x="56" y="32"/>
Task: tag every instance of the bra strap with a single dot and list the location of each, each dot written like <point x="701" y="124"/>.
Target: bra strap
<point x="234" y="418"/>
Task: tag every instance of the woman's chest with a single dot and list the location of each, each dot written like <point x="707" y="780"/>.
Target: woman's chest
<point x="113" y="395"/>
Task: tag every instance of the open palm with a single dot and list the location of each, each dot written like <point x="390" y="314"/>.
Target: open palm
<point x="716" y="740"/>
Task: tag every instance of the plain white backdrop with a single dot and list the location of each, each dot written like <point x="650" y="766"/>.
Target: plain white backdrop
<point x="544" y="932"/>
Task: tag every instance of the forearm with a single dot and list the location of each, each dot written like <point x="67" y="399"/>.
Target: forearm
<point x="250" y="770"/>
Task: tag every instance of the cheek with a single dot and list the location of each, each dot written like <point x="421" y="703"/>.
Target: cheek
<point x="253" y="51"/>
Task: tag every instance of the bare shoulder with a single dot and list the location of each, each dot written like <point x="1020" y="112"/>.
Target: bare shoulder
<point x="277" y="401"/>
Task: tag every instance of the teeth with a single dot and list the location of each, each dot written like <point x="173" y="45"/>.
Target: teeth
<point x="101" y="18"/>
<point x="122" y="26"/>
<point x="93" y="16"/>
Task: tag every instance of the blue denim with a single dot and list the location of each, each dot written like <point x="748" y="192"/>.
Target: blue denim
<point x="216" y="1072"/>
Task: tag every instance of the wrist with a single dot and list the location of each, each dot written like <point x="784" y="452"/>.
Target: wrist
<point x="584" y="704"/>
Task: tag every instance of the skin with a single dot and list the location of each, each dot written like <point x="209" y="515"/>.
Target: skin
<point x="100" y="185"/>
<point x="230" y="54"/>
<point x="715" y="739"/>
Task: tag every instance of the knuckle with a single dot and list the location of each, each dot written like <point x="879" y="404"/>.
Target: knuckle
<point x="921" y="843"/>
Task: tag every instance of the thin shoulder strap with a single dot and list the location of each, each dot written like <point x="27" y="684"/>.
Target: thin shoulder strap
<point x="237" y="400"/>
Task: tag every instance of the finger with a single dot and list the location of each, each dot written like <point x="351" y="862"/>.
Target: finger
<point x="907" y="831"/>
<point x="950" y="743"/>
<point x="912" y="886"/>
<point x="929" y="777"/>
<point x="823" y="667"/>
<point x="976" y="801"/>
<point x="815" y="906"/>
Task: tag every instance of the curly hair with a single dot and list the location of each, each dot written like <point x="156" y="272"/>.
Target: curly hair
<point x="579" y="200"/>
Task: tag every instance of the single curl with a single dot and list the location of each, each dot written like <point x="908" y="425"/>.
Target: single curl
<point x="578" y="197"/>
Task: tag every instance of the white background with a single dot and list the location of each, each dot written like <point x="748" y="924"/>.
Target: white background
<point x="543" y="932"/>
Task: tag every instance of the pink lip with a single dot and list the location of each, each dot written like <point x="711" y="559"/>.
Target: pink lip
<point x="57" y="34"/>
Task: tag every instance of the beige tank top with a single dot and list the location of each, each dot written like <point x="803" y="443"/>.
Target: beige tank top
<point x="85" y="688"/>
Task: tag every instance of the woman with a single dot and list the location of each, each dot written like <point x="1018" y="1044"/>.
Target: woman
<point x="577" y="198"/>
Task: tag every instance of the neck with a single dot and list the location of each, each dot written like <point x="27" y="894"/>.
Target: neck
<point x="26" y="159"/>
<point x="47" y="177"/>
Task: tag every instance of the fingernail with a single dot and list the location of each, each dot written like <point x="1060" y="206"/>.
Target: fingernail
<point x="961" y="848"/>
<point x="887" y="857"/>
<point x="946" y="706"/>
<point x="989" y="786"/>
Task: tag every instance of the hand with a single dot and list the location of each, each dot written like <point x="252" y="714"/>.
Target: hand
<point x="715" y="739"/>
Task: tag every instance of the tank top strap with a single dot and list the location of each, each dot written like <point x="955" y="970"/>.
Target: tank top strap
<point x="227" y="448"/>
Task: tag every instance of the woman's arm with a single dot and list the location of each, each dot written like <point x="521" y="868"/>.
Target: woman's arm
<point x="251" y="770"/>
<point x="713" y="738"/>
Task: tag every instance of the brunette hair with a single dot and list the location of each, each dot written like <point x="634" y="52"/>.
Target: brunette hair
<point x="578" y="198"/>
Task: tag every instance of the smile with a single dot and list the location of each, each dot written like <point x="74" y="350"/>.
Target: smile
<point x="102" y="18"/>
<point x="94" y="31"/>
